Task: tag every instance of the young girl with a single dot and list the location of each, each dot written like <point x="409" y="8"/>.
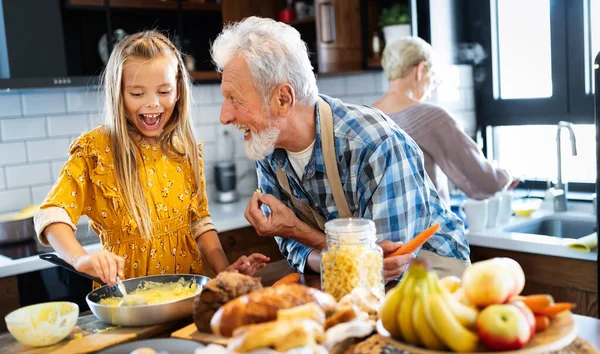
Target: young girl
<point x="140" y="177"/>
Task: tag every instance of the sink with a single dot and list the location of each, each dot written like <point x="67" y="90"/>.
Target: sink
<point x="557" y="226"/>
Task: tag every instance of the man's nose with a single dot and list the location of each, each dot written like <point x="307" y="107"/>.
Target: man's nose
<point x="226" y="116"/>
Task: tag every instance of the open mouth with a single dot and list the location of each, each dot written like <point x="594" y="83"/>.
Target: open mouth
<point x="151" y="120"/>
<point x="244" y="130"/>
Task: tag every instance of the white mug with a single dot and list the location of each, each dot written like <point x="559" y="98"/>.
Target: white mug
<point x="476" y="212"/>
<point x="505" y="211"/>
<point x="493" y="210"/>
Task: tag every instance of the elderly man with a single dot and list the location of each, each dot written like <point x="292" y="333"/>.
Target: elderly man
<point x="318" y="158"/>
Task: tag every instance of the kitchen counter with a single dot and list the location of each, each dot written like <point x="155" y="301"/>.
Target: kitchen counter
<point x="231" y="216"/>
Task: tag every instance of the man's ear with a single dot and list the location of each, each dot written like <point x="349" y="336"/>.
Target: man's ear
<point x="283" y="100"/>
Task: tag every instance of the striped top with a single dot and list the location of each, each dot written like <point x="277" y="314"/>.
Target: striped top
<point x="449" y="153"/>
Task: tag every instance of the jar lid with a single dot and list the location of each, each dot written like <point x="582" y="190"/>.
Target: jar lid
<point x="351" y="229"/>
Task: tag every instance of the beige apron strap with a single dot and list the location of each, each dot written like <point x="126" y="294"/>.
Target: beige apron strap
<point x="444" y="266"/>
<point x="283" y="182"/>
<point x="305" y="212"/>
<point x="330" y="158"/>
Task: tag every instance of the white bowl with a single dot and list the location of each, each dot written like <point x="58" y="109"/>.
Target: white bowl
<point x="43" y="324"/>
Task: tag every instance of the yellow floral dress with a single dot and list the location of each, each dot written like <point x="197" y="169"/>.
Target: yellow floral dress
<point x="87" y="186"/>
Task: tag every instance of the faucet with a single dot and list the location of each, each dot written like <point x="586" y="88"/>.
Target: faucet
<point x="560" y="188"/>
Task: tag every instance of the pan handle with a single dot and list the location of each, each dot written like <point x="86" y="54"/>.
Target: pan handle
<point x="52" y="258"/>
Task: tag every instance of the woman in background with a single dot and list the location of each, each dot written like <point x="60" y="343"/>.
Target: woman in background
<point x="449" y="153"/>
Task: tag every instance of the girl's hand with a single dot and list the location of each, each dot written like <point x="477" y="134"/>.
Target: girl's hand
<point x="249" y="265"/>
<point x="103" y="264"/>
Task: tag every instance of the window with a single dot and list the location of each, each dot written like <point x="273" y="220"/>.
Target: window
<point x="591" y="40"/>
<point x="521" y="53"/>
<point x="529" y="152"/>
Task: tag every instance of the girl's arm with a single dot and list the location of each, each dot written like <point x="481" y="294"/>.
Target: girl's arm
<point x="211" y="249"/>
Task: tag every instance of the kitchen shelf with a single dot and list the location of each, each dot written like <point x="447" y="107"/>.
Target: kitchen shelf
<point x="374" y="62"/>
<point x="149" y="4"/>
<point x="205" y="75"/>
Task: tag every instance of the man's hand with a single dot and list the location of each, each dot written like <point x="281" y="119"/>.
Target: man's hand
<point x="281" y="222"/>
<point x="249" y="265"/>
<point x="394" y="266"/>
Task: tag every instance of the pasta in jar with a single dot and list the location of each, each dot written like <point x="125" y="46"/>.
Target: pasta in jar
<point x="352" y="258"/>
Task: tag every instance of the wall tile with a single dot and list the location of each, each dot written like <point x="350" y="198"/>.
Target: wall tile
<point x="209" y="174"/>
<point x="209" y="152"/>
<point x="332" y="86"/>
<point x="39" y="193"/>
<point x="23" y="128"/>
<point x="49" y="149"/>
<point x="202" y="94"/>
<point x="208" y="114"/>
<point x="2" y="178"/>
<point x="25" y="175"/>
<point x="84" y="101"/>
<point x="56" y="168"/>
<point x="68" y="125"/>
<point x="11" y="105"/>
<point x="11" y="153"/>
<point x="361" y="84"/>
<point x="51" y="101"/>
<point x="14" y="200"/>
<point x="217" y="96"/>
<point x="95" y="119"/>
<point x="206" y="132"/>
<point x="370" y="99"/>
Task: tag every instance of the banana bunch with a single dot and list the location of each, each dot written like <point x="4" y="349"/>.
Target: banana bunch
<point x="420" y="312"/>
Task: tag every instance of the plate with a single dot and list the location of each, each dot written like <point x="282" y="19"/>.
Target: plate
<point x="169" y="345"/>
<point x="562" y="332"/>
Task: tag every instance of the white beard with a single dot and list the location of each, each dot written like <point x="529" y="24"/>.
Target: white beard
<point x="262" y="144"/>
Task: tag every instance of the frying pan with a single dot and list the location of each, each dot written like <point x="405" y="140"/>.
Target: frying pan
<point x="140" y="315"/>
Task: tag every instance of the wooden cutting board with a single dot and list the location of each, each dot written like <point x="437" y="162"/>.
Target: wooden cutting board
<point x="191" y="332"/>
<point x="95" y="335"/>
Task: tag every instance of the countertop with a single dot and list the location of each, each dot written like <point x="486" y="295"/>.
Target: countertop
<point x="231" y="216"/>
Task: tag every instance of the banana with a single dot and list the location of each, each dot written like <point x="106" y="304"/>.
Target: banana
<point x="445" y="325"/>
<point x="467" y="316"/>
<point x="388" y="312"/>
<point x="407" y="301"/>
<point x="427" y="336"/>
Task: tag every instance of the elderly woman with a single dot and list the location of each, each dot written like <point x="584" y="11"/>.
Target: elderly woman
<point x="449" y="153"/>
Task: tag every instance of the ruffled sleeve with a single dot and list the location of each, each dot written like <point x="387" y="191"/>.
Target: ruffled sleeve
<point x="201" y="221"/>
<point x="71" y="194"/>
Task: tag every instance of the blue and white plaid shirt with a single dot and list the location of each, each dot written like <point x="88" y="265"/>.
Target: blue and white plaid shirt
<point x="384" y="179"/>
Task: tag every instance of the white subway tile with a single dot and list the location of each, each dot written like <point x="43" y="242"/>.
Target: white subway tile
<point x="361" y="84"/>
<point x="39" y="150"/>
<point x="56" y="168"/>
<point x="382" y="82"/>
<point x="351" y="99"/>
<point x="39" y="193"/>
<point x="11" y="153"/>
<point x="2" y="179"/>
<point x="370" y="99"/>
<point x="211" y="192"/>
<point x="11" y="105"/>
<point x="202" y="94"/>
<point x="23" y="128"/>
<point x="332" y="86"/>
<point x="26" y="175"/>
<point x="209" y="152"/>
<point x="95" y="119"/>
<point x="236" y="138"/>
<point x="68" y="125"/>
<point x="209" y="172"/>
<point x="14" y="200"/>
<point x="84" y="101"/>
<point x="206" y="132"/>
<point x="208" y="114"/>
<point x="217" y="96"/>
<point x="48" y="102"/>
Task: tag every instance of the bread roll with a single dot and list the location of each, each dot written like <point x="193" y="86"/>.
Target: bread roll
<point x="280" y="335"/>
<point x="262" y="306"/>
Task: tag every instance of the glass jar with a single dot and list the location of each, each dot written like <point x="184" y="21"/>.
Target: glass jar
<point x="352" y="258"/>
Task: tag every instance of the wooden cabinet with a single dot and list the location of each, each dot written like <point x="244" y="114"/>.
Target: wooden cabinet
<point x="339" y="35"/>
<point x="235" y="10"/>
<point x="565" y="279"/>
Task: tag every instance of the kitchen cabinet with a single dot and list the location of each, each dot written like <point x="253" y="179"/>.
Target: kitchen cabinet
<point x="566" y="279"/>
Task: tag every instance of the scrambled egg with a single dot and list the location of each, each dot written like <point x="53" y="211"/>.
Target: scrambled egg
<point x="158" y="293"/>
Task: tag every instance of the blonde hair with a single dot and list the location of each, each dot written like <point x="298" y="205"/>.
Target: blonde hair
<point x="401" y="56"/>
<point x="177" y="138"/>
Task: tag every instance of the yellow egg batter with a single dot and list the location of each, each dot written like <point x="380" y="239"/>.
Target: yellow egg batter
<point x="158" y="293"/>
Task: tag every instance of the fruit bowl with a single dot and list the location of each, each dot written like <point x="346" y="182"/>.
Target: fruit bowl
<point x="561" y="333"/>
<point x="43" y="324"/>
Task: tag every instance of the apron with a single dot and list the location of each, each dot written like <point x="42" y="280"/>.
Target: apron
<point x="442" y="265"/>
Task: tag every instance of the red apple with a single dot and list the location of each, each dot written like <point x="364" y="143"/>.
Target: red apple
<point x="503" y="327"/>
<point x="488" y="282"/>
<point x="527" y="312"/>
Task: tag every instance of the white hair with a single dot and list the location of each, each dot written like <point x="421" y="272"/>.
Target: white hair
<point x="275" y="54"/>
<point x="399" y="57"/>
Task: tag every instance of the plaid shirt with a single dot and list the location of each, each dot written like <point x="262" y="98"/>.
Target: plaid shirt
<point x="383" y="176"/>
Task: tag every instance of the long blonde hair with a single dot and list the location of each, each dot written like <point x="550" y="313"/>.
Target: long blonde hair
<point x="176" y="140"/>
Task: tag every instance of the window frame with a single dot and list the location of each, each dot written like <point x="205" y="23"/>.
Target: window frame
<point x="580" y="103"/>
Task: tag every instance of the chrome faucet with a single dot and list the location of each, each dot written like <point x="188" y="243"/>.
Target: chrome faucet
<point x="560" y="188"/>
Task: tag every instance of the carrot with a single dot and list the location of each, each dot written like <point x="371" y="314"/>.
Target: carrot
<point x="541" y="323"/>
<point x="416" y="242"/>
<point x="288" y="279"/>
<point x="555" y="309"/>
<point x="537" y="302"/>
